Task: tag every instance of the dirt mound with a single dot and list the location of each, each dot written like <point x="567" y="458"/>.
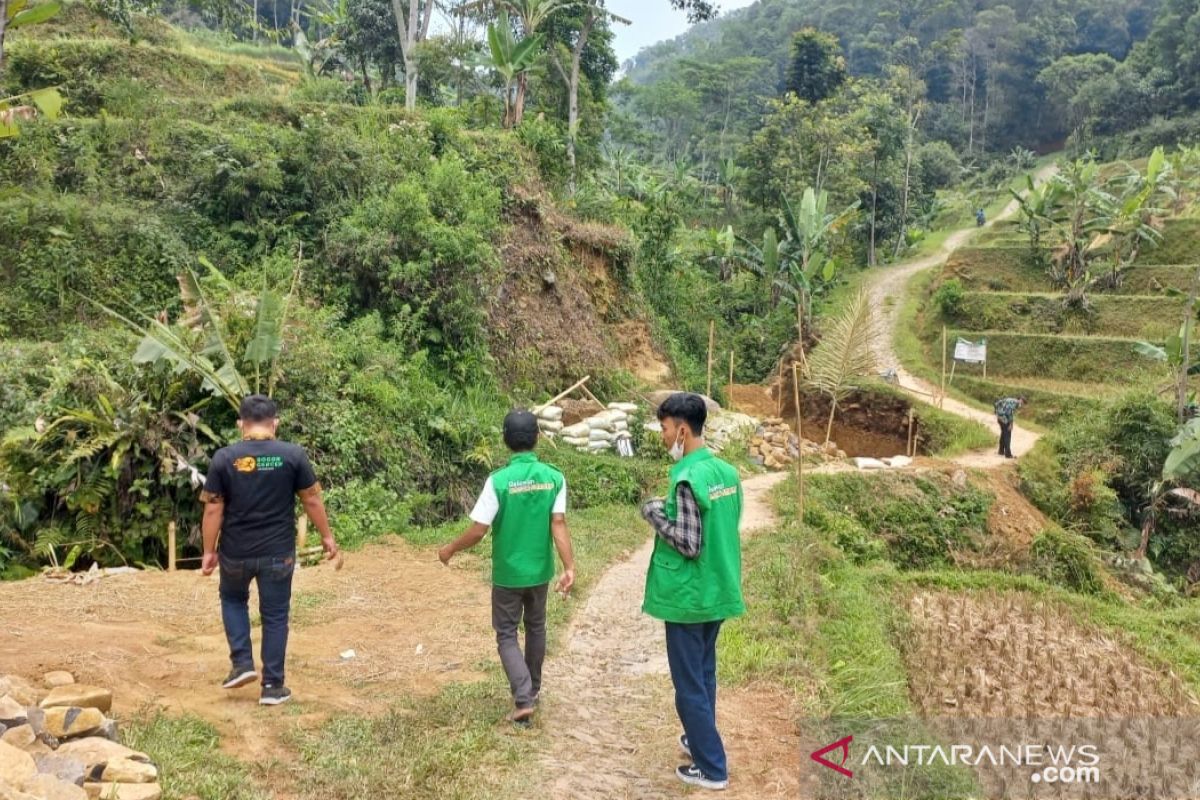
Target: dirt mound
<point x="1011" y="655"/>
<point x="755" y="400"/>
<point x="639" y="356"/>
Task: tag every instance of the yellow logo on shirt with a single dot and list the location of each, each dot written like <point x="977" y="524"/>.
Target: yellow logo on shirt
<point x="247" y="464"/>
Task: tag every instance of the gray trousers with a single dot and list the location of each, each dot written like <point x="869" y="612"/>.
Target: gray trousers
<point x="524" y="670"/>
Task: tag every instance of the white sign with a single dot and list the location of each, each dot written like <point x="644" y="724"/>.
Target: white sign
<point x="971" y="352"/>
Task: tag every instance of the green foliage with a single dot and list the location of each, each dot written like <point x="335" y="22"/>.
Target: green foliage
<point x="605" y="479"/>
<point x="187" y="750"/>
<point x="817" y="68"/>
<point x="922" y="521"/>
<point x="364" y="510"/>
<point x="1067" y="559"/>
<point x="948" y="298"/>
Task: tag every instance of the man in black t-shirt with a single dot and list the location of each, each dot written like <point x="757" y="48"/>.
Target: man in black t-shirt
<point x="250" y="502"/>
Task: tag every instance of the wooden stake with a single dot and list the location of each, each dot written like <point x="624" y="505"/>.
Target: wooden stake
<point x="799" y="443"/>
<point x="908" y="451"/>
<point x="712" y="332"/>
<point x="730" y="398"/>
<point x="591" y="396"/>
<point x="942" y="396"/>
<point x="985" y="367"/>
<point x="779" y="394"/>
<point x="800" y="335"/>
<point x="302" y="532"/>
<point x="171" y="546"/>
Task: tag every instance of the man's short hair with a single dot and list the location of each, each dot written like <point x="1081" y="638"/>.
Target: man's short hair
<point x="520" y="431"/>
<point x="690" y="409"/>
<point x="257" y="408"/>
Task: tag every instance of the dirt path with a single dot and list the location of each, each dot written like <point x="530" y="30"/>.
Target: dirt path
<point x="608" y="712"/>
<point x="156" y="638"/>
<point x="887" y="290"/>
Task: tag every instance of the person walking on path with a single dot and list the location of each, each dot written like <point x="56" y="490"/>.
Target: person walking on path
<point x="1006" y="411"/>
<point x="525" y="506"/>
<point x="250" y="504"/>
<point x="694" y="582"/>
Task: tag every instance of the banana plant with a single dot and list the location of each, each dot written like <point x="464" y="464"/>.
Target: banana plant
<point x="511" y="57"/>
<point x="23" y="107"/>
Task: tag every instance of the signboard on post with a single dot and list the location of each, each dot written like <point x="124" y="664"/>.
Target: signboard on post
<point x="970" y="352"/>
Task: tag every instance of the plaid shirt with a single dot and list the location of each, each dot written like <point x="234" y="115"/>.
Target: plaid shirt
<point x="684" y="533"/>
<point x="1006" y="408"/>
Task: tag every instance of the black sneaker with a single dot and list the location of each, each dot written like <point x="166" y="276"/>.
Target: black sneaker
<point x="274" y="695"/>
<point x="683" y="745"/>
<point x="239" y="677"/>
<point x="692" y="776"/>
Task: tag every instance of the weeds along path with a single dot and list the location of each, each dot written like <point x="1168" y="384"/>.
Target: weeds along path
<point x="608" y="708"/>
<point x="887" y="290"/>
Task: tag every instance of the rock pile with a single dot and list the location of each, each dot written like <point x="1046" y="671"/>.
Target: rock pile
<point x="727" y="427"/>
<point x="59" y="745"/>
<point x="596" y="434"/>
<point x="774" y="446"/>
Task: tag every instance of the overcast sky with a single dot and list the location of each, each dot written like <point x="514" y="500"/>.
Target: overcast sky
<point x="653" y="21"/>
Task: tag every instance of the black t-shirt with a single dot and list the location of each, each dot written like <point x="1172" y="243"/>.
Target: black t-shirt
<point x="258" y="480"/>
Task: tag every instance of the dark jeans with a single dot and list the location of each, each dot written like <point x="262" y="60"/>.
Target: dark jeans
<point x="692" y="656"/>
<point x="1005" y="438"/>
<point x="524" y="670"/>
<point x="274" y="576"/>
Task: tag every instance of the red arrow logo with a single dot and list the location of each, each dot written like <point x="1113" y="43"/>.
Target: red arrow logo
<point x="840" y="744"/>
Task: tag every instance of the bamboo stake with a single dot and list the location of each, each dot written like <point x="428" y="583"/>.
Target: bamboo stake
<point x="712" y="332"/>
<point x="779" y="394"/>
<point x="171" y="546"/>
<point x="730" y="380"/>
<point x="799" y="443"/>
<point x="302" y="532"/>
<point x="591" y="396"/>
<point x="908" y="450"/>
<point x="800" y="335"/>
<point x="942" y="396"/>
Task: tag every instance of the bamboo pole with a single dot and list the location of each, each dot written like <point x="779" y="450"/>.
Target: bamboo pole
<point x="712" y="332"/>
<point x="730" y="380"/>
<point x="800" y="335"/>
<point x="562" y="394"/>
<point x="779" y="394"/>
<point x="942" y="396"/>
<point x="171" y="546"/>
<point x="799" y="443"/>
<point x="302" y="532"/>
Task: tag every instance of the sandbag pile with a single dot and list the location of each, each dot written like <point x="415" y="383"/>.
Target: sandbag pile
<point x="550" y="420"/>
<point x="59" y="745"/>
<point x="774" y="446"/>
<point x="602" y="431"/>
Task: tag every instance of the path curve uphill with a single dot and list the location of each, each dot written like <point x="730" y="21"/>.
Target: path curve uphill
<point x="887" y="290"/>
<point x="608" y="710"/>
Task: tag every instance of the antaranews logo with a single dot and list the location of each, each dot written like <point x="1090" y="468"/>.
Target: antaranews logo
<point x="842" y="745"/>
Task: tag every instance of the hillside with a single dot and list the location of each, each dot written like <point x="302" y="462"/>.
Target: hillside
<point x="425" y="275"/>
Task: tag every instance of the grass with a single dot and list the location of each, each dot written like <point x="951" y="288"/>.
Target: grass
<point x="446" y="747"/>
<point x="1140" y="317"/>
<point x="191" y="764"/>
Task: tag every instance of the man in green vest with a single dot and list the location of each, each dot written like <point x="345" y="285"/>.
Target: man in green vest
<point x="525" y="505"/>
<point x="695" y="579"/>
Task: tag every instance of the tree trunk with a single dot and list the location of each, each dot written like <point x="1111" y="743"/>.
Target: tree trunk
<point x="366" y="75"/>
<point x="829" y="426"/>
<point x="874" y="209"/>
<point x="573" y="95"/>
<point x="518" y="111"/>
<point x="254" y="29"/>
<point x="908" y="157"/>
<point x="409" y="29"/>
<point x="3" y="28"/>
<point x="410" y="83"/>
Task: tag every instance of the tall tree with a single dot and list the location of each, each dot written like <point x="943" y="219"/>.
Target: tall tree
<point x="413" y="27"/>
<point x="817" y="68"/>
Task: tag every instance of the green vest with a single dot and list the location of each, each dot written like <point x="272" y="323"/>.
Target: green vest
<point x="708" y="587"/>
<point x="522" y="548"/>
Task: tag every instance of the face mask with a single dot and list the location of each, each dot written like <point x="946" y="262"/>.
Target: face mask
<point x="677" y="449"/>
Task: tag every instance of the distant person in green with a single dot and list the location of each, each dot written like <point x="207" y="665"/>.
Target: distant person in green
<point x="694" y="582"/>
<point x="1006" y="412"/>
<point x="525" y="505"/>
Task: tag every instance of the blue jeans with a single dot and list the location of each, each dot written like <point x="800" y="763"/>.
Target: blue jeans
<point x="274" y="576"/>
<point x="692" y="656"/>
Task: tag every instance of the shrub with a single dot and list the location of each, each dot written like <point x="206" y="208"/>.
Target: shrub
<point x="948" y="297"/>
<point x="1067" y="559"/>
<point x="362" y="510"/>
